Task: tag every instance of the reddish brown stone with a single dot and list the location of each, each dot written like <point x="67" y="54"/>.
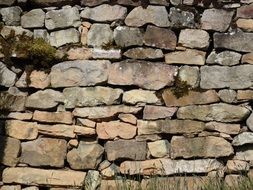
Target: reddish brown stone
<point x="53" y="117"/>
<point x="158" y="112"/>
<point x="245" y="11"/>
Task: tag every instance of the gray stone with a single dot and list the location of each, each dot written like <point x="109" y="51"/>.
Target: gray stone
<point x="100" y="35"/>
<point x="91" y="96"/>
<point x="44" y="99"/>
<point x="245" y="11"/>
<point x="7" y="77"/>
<point x="41" y="33"/>
<point x="144" y="53"/>
<point x="237" y="77"/>
<point x="243" y="138"/>
<point x="117" y="150"/>
<point x="11" y="15"/>
<point x="227" y="95"/>
<point x="92" y="180"/>
<point x="156" y="15"/>
<point x="44" y="152"/>
<point x="111" y="54"/>
<point x="128" y="36"/>
<point x="18" y="30"/>
<point x="226" y="58"/>
<point x="181" y="19"/>
<point x="104" y="13"/>
<point x="50" y="3"/>
<point x="86" y="156"/>
<point x="92" y="3"/>
<point x="33" y="19"/>
<point x="190" y="75"/>
<point x="63" y="18"/>
<point x="216" y="19"/>
<point x="7" y="2"/>
<point x="12" y="102"/>
<point x="244" y="153"/>
<point x="249" y="122"/>
<point x="227" y="128"/>
<point x="11" y="187"/>
<point x="79" y="73"/>
<point x="214" y="112"/>
<point x="62" y="37"/>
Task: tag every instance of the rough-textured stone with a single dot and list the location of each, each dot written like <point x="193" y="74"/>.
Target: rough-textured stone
<point x="44" y="152"/>
<point x="7" y="77"/>
<point x="32" y="176"/>
<point x="227" y="58"/>
<point x="39" y="79"/>
<point x="128" y="118"/>
<point x="244" y="94"/>
<point x="113" y="129"/>
<point x="181" y="19"/>
<point x="232" y="129"/>
<point x="188" y="57"/>
<point x="63" y="18"/>
<point x="7" y="2"/>
<point x="87" y="122"/>
<point x="7" y="30"/>
<point x="245" y="11"/>
<point x="62" y="37"/>
<point x="154" y="137"/>
<point x="244" y="153"/>
<point x="146" y="75"/>
<point x="48" y="3"/>
<point x="10" y="149"/>
<point x="79" y="53"/>
<point x="11" y="187"/>
<point x="21" y="130"/>
<point x="117" y="150"/>
<point x="193" y="97"/>
<point x="92" y="180"/>
<point x="33" y="19"/>
<point x="243" y="138"/>
<point x="44" y="99"/>
<point x="159" y="149"/>
<point x="237" y="166"/>
<point x="86" y="156"/>
<point x="207" y="147"/>
<point x="151" y="112"/>
<point x="237" y="77"/>
<point x="41" y="33"/>
<point x="92" y="3"/>
<point x="104" y="112"/>
<point x="214" y="112"/>
<point x="144" y="53"/>
<point x="238" y="41"/>
<point x="156" y="15"/>
<point x="249" y="122"/>
<point x="111" y="171"/>
<point x="190" y="75"/>
<point x="125" y="36"/>
<point x="169" y="167"/>
<point x="216" y="19"/>
<point x="160" y="38"/>
<point x="104" y="13"/>
<point x="100" y="35"/>
<point x="79" y="73"/>
<point x="98" y="53"/>
<point x="227" y="95"/>
<point x="11" y="15"/>
<point x="91" y="96"/>
<point x="245" y="24"/>
<point x="194" y="38"/>
<point x="53" y="117"/>
<point x="18" y="116"/>
<point x="118" y="183"/>
<point x="12" y="102"/>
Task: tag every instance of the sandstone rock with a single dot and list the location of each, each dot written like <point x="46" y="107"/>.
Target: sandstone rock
<point x="7" y="2"/>
<point x="59" y="130"/>
<point x="237" y="77"/>
<point x="151" y="112"/>
<point x="239" y="41"/>
<point x="244" y="94"/>
<point x="216" y="19"/>
<point x="48" y="3"/>
<point x="53" y="117"/>
<point x="44" y="99"/>
<point x="243" y="138"/>
<point x="249" y="122"/>
<point x="39" y="79"/>
<point x="33" y="19"/>
<point x="227" y="58"/>
<point x="87" y="122"/>
<point x="169" y="167"/>
<point x="156" y="15"/>
<point x="159" y="149"/>
<point x="169" y="127"/>
<point x="152" y="76"/>
<point x="79" y="73"/>
<point x="119" y="184"/>
<point x="214" y="112"/>
<point x="244" y="153"/>
<point x="100" y="35"/>
<point x="110" y="172"/>
<point x="12" y="102"/>
<point x="194" y="38"/>
<point x="188" y="57"/>
<point x="128" y="118"/>
<point x="92" y="180"/>
<point x="232" y="129"/>
<point x="104" y="13"/>
<point x="21" y="130"/>
<point x="104" y="112"/>
<point x="7" y="77"/>
<point x="181" y="19"/>
<point x="247" y="58"/>
<point x="19" y="116"/>
<point x="33" y="176"/>
<point x="245" y="11"/>
<point x="86" y="156"/>
<point x="207" y="147"/>
<point x="245" y="24"/>
<point x="190" y="75"/>
<point x="227" y="95"/>
<point x="144" y="53"/>
<point x="160" y="38"/>
<point x="79" y="53"/>
<point x="62" y="37"/>
<point x="11" y="15"/>
<point x="116" y="150"/>
<point x="154" y="137"/>
<point x="113" y="54"/>
<point x="236" y="166"/>
<point x="10" y="149"/>
<point x="125" y="36"/>
<point x="193" y="97"/>
<point x="92" y="3"/>
<point x="72" y="143"/>
<point x="44" y="152"/>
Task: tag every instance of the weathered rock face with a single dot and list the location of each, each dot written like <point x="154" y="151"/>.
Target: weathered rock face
<point x="62" y="37"/>
<point x="247" y="58"/>
<point x="245" y="11"/>
<point x="181" y="19"/>
<point x="144" y="53"/>
<point x="190" y="75"/>
<point x="244" y="153"/>
<point x="158" y="112"/>
<point x="44" y="152"/>
<point x="12" y="102"/>
<point x="223" y="127"/>
<point x="250" y="122"/>
<point x="7" y="77"/>
<point x="33" y="19"/>
<point x="245" y="24"/>
<point x="243" y="138"/>
<point x="11" y="15"/>
<point x="226" y="58"/>
<point x="159" y="148"/>
<point x="53" y="117"/>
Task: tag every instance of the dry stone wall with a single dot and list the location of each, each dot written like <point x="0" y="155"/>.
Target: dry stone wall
<point x="146" y="88"/>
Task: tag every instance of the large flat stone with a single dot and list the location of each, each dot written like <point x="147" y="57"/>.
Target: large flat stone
<point x="33" y="19"/>
<point x="146" y="75"/>
<point x="236" y="77"/>
<point x="244" y="153"/>
<point x="180" y="18"/>
<point x="144" y="53"/>
<point x="227" y="128"/>
<point x="242" y="139"/>
<point x="63" y="37"/>
<point x="214" y="112"/>
<point x="53" y="117"/>
<point x="151" y="112"/>
<point x="79" y="73"/>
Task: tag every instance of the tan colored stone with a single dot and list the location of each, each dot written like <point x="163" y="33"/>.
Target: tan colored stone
<point x="154" y="137"/>
<point x="73" y="143"/>
<point x="159" y="149"/>
<point x="230" y="128"/>
<point x="98" y="53"/>
<point x="188" y="57"/>
<point x="151" y="112"/>
<point x="39" y="79"/>
<point x="247" y="58"/>
<point x="193" y="97"/>
<point x="53" y="117"/>
<point x="87" y="122"/>
<point x="84" y="131"/>
<point x="59" y="130"/>
<point x="245" y="24"/>
<point x="84" y="33"/>
<point x="144" y="53"/>
<point x="237" y="166"/>
<point x="244" y="94"/>
<point x="79" y="53"/>
<point x="189" y="74"/>
<point x="111" y="171"/>
<point x="10" y="187"/>
<point x="113" y="129"/>
<point x="206" y="147"/>
<point x="243" y="138"/>
<point x="20" y="116"/>
<point x="244" y="153"/>
<point x="128" y="118"/>
<point x="32" y="176"/>
<point x="119" y="184"/>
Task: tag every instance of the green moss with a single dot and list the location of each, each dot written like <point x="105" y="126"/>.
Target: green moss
<point x="181" y="88"/>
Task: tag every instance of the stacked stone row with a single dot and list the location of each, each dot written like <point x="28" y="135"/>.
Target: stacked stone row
<point x="112" y="109"/>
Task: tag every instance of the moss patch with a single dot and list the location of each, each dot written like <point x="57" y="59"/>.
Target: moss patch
<point x="180" y="88"/>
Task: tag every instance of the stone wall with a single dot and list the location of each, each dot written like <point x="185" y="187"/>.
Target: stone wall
<point x="158" y="89"/>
